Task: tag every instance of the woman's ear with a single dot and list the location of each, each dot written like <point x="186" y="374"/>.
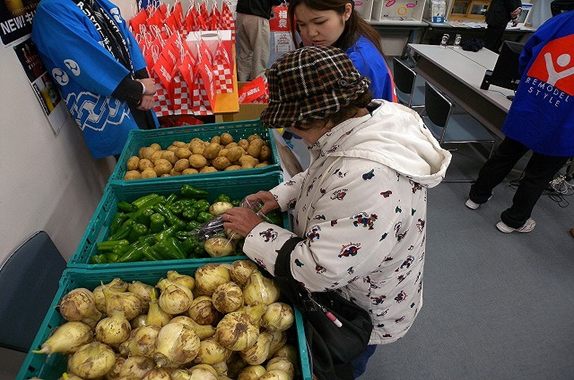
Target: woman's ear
<point x="348" y="11"/>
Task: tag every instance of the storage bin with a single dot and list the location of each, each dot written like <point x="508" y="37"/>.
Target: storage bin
<point x="236" y="187"/>
<point x="52" y="366"/>
<point x="166" y="136"/>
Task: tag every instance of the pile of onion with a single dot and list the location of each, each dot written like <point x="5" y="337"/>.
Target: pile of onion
<point x="225" y="322"/>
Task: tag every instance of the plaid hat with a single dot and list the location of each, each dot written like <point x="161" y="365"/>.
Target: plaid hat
<point x="310" y="84"/>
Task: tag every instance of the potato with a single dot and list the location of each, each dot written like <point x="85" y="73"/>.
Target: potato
<point x="179" y="144"/>
<point x="262" y="164"/>
<point x="172" y="148"/>
<point x="140" y="151"/>
<point x="226" y="138"/>
<point x="133" y="163"/>
<point x="145" y="164"/>
<point x="234" y="153"/>
<point x="208" y="169"/>
<point x="233" y="167"/>
<point x="147" y="152"/>
<point x="197" y="147"/>
<point x="132" y="174"/>
<point x="248" y="162"/>
<point x="165" y="175"/>
<point x="170" y="156"/>
<point x="216" y="139"/>
<point x="162" y="166"/>
<point x="243" y="143"/>
<point x="149" y="173"/>
<point x="231" y="145"/>
<point x="265" y="153"/>
<point x="254" y="137"/>
<point x="156" y="155"/>
<point x="254" y="150"/>
<point x="197" y="161"/>
<point x="183" y="153"/>
<point x="174" y="172"/>
<point x="223" y="152"/>
<point x="155" y="146"/>
<point x="220" y="163"/>
<point x="211" y="151"/>
<point x="189" y="171"/>
<point x="181" y="165"/>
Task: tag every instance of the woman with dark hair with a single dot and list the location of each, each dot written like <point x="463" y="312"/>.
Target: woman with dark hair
<point x="337" y="23"/>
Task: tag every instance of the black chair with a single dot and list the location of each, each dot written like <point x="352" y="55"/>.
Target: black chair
<point x="29" y="280"/>
<point x="450" y="128"/>
<point x="408" y="92"/>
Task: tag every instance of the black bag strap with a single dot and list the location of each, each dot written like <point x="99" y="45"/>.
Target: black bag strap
<point x="283" y="276"/>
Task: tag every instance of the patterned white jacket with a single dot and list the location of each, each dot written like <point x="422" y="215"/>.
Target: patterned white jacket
<point x="362" y="207"/>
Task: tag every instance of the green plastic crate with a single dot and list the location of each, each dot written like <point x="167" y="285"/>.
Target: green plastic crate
<point x="98" y="227"/>
<point x="52" y="366"/>
<point x="166" y="136"/>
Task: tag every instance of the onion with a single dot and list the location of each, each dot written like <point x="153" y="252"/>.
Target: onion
<point x="142" y="341"/>
<point x="260" y="290"/>
<point x="279" y="316"/>
<point x="258" y="353"/>
<point x="205" y="367"/>
<point x="114" y="373"/>
<point x="144" y="291"/>
<point x="255" y="312"/>
<point x="181" y="279"/>
<point x="176" y="344"/>
<point x="135" y="367"/>
<point x="275" y="374"/>
<point x="282" y="364"/>
<point x="80" y="305"/>
<point x="203" y="311"/>
<point x="279" y="340"/>
<point x="113" y="330"/>
<point x="92" y="360"/>
<point x="180" y="374"/>
<point x="174" y="299"/>
<point x="139" y="321"/>
<point x="211" y="352"/>
<point x="67" y="338"/>
<point x="219" y="246"/>
<point x="157" y="374"/>
<point x="203" y="331"/>
<point x="117" y="285"/>
<point x="65" y="376"/>
<point x="235" y="365"/>
<point x="236" y="331"/>
<point x="221" y="368"/>
<point x="130" y="303"/>
<point x="156" y="316"/>
<point x="202" y="374"/>
<point x="287" y="351"/>
<point x="210" y="276"/>
<point x="241" y="270"/>
<point x="252" y="372"/>
<point x="227" y="297"/>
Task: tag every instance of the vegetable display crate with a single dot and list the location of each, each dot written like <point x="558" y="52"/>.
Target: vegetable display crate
<point x="52" y="366"/>
<point x="166" y="136"/>
<point x="98" y="230"/>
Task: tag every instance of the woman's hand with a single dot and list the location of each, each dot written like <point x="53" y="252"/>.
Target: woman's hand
<point x="147" y="103"/>
<point x="263" y="197"/>
<point x="241" y="220"/>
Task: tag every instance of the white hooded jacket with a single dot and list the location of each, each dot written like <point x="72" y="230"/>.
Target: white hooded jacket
<point x="361" y="205"/>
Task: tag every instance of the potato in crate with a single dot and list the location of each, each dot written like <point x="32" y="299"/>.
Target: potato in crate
<point x="148" y="224"/>
<point x="166" y="154"/>
<point x="216" y="323"/>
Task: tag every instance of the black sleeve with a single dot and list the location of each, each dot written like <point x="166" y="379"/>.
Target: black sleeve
<point x="142" y="74"/>
<point x="130" y="91"/>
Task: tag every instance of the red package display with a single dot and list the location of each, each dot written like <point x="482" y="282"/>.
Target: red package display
<point x="255" y="91"/>
<point x="222" y="70"/>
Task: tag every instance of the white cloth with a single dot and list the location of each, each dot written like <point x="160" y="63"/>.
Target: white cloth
<point x="361" y="205"/>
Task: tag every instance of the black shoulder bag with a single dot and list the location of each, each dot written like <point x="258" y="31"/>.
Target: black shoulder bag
<point x="337" y="330"/>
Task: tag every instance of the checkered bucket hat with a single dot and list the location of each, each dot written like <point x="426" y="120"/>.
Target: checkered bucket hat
<point x="310" y="84"/>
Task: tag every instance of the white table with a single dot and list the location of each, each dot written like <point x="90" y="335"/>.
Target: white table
<point x="459" y="74"/>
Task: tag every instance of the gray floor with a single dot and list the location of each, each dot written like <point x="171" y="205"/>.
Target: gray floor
<point x="497" y="307"/>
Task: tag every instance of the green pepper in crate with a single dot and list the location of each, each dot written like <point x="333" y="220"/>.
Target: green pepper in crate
<point x="148" y="200"/>
<point x="168" y="232"/>
<point x="126" y="206"/>
<point x="201" y="205"/>
<point x="176" y="207"/>
<point x="170" y="247"/>
<point x="189" y="191"/>
<point x="222" y="198"/>
<point x="189" y="213"/>
<point x="118" y="220"/>
<point x="123" y="231"/>
<point x="192" y="225"/>
<point x="98" y="259"/>
<point x="138" y="230"/>
<point x="236" y="202"/>
<point x="121" y="249"/>
<point x="151" y="254"/>
<point x="142" y="215"/>
<point x="203" y="217"/>
<point x="170" y="217"/>
<point x="109" y="245"/>
<point x="134" y="253"/>
<point x="157" y="222"/>
<point x="112" y="257"/>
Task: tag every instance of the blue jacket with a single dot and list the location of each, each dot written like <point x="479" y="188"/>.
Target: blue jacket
<point x="86" y="73"/>
<point x="370" y="63"/>
<point x="542" y="113"/>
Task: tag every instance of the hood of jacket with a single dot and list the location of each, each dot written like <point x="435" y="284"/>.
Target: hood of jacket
<point x="392" y="135"/>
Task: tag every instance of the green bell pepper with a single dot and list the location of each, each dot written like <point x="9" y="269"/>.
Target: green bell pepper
<point x="192" y="225"/>
<point x="151" y="254"/>
<point x="176" y="208"/>
<point x="236" y="202"/>
<point x="137" y="231"/>
<point x="171" y="198"/>
<point x="142" y="215"/>
<point x="157" y="222"/>
<point x="203" y="217"/>
<point x="168" y="232"/>
<point x="222" y="198"/>
<point x="112" y="257"/>
<point x="170" y="217"/>
<point x="171" y="247"/>
<point x="146" y="200"/>
<point x="126" y="206"/>
<point x="117" y="221"/>
<point x="134" y="253"/>
<point x="201" y="205"/>
<point x="123" y="231"/>
<point x="98" y="259"/>
<point x="109" y="245"/>
<point x="189" y="191"/>
<point x="189" y="213"/>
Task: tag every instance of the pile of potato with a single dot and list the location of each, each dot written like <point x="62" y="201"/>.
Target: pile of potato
<point x="199" y="156"/>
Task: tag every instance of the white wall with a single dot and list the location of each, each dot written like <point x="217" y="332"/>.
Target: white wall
<point x="47" y="182"/>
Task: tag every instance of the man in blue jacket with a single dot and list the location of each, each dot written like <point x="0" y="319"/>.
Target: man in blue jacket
<point x="540" y="119"/>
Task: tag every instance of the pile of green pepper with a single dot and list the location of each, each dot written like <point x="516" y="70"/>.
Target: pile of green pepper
<point x="155" y="227"/>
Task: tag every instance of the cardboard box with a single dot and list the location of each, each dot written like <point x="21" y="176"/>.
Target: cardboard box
<point x="248" y="111"/>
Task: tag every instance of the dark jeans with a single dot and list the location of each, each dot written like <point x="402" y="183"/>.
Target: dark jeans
<point x="493" y="37"/>
<point x="538" y="173"/>
<point x="360" y="363"/>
